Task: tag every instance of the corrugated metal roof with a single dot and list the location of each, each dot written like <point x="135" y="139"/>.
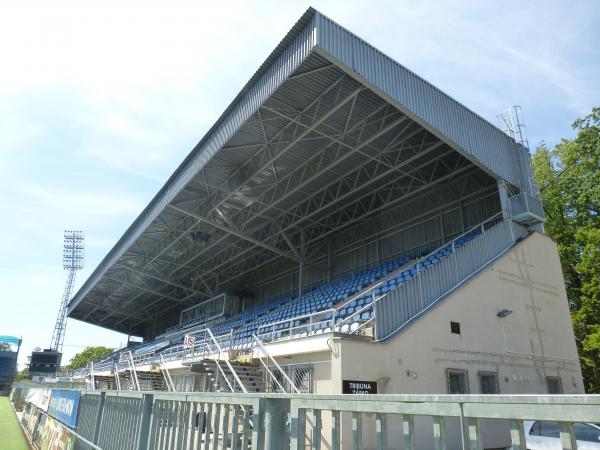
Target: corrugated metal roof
<point x="286" y="57"/>
<point x="437" y="111"/>
<point x="317" y="43"/>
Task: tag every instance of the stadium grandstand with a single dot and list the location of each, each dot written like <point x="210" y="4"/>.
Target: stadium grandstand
<point x="343" y="227"/>
<point x="9" y="352"/>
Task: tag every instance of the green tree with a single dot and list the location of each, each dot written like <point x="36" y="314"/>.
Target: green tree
<point x="569" y="177"/>
<point x="22" y="375"/>
<point x="89" y="354"/>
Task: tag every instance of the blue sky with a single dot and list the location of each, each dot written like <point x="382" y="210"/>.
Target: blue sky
<point x="98" y="105"/>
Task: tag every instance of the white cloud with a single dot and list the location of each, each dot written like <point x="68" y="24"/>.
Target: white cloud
<point x="99" y="104"/>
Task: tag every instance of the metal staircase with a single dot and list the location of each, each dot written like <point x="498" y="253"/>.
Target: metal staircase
<point x="152" y="381"/>
<point x="225" y="378"/>
<point x="104" y="382"/>
<point x="126" y="374"/>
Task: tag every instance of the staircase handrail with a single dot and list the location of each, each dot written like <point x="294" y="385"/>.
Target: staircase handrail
<point x="166" y="374"/>
<point x="416" y="263"/>
<point x="117" y="380"/>
<point x="92" y="377"/>
<point x="231" y="369"/>
<point x="273" y="377"/>
<point x="134" y="376"/>
<point x="220" y="369"/>
<point x="275" y="363"/>
<point x="371" y="289"/>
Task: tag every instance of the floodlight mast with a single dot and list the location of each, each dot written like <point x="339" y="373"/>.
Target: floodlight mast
<point x="73" y="260"/>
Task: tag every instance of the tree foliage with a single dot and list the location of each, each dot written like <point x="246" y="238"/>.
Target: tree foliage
<point x="89" y="354"/>
<point x="22" y="375"/>
<point x="569" y="177"/>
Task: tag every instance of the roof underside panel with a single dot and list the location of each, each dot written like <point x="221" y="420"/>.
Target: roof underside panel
<point x="284" y="60"/>
<point x="326" y="133"/>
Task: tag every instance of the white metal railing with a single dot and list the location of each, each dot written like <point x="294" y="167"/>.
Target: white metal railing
<point x="157" y="421"/>
<point x="126" y="363"/>
<point x="298" y="326"/>
<point x="319" y="321"/>
<point x="232" y="371"/>
<point x="166" y="375"/>
<point x="202" y="347"/>
<point x="355" y="325"/>
<point x="303" y="325"/>
<point x="262" y="350"/>
<point x="117" y="379"/>
<point x="396" y="416"/>
<point x="105" y="366"/>
<point x="92" y="375"/>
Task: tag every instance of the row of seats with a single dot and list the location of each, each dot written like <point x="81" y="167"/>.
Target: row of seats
<point x="290" y="313"/>
<point x="320" y="299"/>
<point x="361" y="304"/>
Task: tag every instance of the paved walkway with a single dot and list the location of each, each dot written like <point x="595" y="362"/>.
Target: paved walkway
<point x="11" y="437"/>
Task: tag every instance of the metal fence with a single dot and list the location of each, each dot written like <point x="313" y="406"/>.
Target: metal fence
<point x="211" y="421"/>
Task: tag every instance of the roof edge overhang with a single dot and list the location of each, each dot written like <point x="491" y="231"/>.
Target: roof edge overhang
<point x="282" y="62"/>
<point x="468" y="133"/>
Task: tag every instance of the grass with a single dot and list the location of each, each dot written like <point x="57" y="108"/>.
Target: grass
<point x="11" y="436"/>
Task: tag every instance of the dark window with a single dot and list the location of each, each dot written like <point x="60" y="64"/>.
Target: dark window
<point x="488" y="381"/>
<point x="554" y="385"/>
<point x="583" y="432"/>
<point x="455" y="327"/>
<point x="457" y="381"/>
<point x="549" y="429"/>
<point x="535" y="429"/>
<point x="586" y="433"/>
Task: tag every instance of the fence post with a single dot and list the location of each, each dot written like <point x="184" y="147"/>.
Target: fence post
<point x="99" y="415"/>
<point x="273" y="434"/>
<point x="142" y="441"/>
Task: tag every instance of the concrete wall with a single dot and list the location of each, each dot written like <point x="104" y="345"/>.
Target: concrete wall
<point x="536" y="340"/>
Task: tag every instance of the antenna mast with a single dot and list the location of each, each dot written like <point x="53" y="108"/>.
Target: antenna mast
<point x="512" y="123"/>
<point x="73" y="259"/>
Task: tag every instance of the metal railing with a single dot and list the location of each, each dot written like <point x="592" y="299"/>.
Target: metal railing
<point x="298" y="326"/>
<point x="33" y="422"/>
<point x="166" y="375"/>
<point x="399" y="413"/>
<point x="279" y="371"/>
<point x="205" y="343"/>
<point x="326" y="320"/>
<point x="111" y="420"/>
<point x="400" y="305"/>
<point x="411" y="299"/>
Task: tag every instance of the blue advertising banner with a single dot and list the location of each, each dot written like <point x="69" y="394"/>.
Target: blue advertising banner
<point x="63" y="406"/>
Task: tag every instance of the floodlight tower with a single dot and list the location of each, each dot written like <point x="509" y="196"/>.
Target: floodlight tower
<point x="73" y="258"/>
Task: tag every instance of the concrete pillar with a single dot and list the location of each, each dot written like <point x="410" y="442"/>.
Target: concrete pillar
<point x="273" y="433"/>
